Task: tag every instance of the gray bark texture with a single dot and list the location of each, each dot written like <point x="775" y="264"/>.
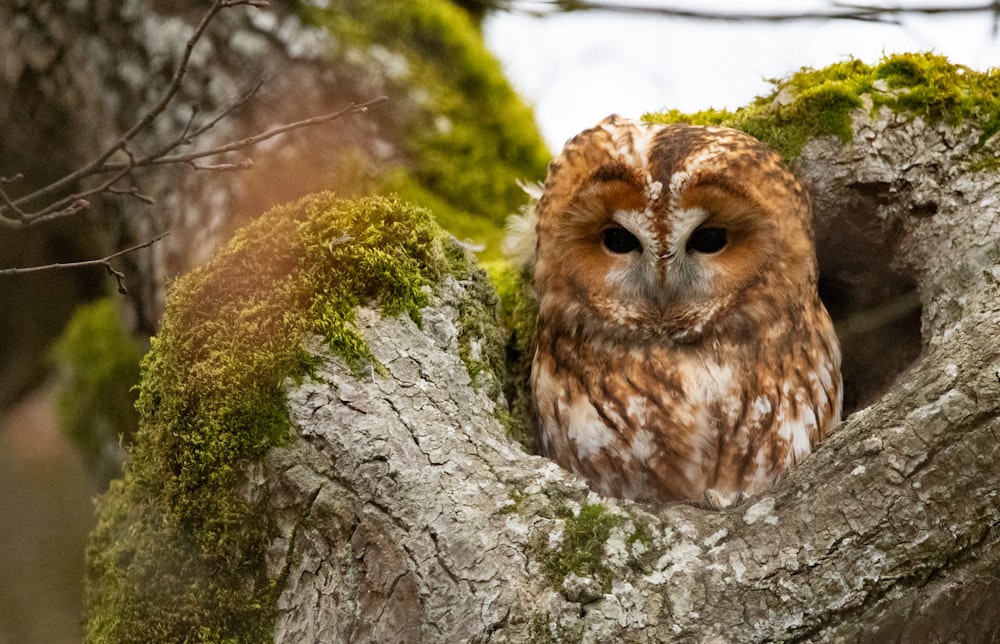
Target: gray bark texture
<point x="406" y="515"/>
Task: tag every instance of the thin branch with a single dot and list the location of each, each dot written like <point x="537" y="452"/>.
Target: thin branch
<point x="840" y="12"/>
<point x="104" y="261"/>
<point x="148" y="117"/>
<point x="71" y="204"/>
<point x="133" y="192"/>
<point x="13" y="214"/>
<point x="245" y="164"/>
<point x="6" y="199"/>
<point x="237" y="104"/>
<point x="250" y="140"/>
<point x="865" y="321"/>
<point x="188" y="135"/>
<point x="74" y="203"/>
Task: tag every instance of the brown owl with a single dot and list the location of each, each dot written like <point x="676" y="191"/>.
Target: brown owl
<point x="682" y="351"/>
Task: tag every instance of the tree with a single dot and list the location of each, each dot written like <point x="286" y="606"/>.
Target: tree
<point x="375" y="494"/>
<point x="439" y="530"/>
<point x="119" y="113"/>
<point x="78" y="75"/>
<point x="836" y="11"/>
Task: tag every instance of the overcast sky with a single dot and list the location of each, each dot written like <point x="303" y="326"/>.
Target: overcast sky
<point x="577" y="68"/>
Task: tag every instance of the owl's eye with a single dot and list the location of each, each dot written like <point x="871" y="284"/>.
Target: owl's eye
<point x="619" y="240"/>
<point x="707" y="240"/>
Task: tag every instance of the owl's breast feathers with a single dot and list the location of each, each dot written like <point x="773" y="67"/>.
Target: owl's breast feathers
<point x="676" y="422"/>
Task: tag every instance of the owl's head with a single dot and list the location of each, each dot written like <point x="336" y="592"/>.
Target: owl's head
<point x="670" y="231"/>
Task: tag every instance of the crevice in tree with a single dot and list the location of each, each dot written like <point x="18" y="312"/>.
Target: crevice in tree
<point x="437" y="554"/>
<point x="296" y="528"/>
<point x="387" y="513"/>
<point x="410" y="430"/>
<point x="874" y="304"/>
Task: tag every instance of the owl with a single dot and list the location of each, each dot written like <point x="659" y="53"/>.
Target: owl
<point x="681" y="348"/>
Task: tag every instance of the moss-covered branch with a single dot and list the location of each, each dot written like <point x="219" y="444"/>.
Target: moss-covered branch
<point x="212" y="404"/>
<point x="820" y="102"/>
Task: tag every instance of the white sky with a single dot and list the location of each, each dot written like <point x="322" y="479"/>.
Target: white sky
<point x="578" y="68"/>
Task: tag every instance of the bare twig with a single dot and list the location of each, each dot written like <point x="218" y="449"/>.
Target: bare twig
<point x="238" y="103"/>
<point x="250" y="140"/>
<point x="94" y="166"/>
<point x="133" y="192"/>
<point x="104" y="261"/>
<point x="14" y="212"/>
<point x="865" y="321"/>
<point x="6" y="199"/>
<point x="188" y="135"/>
<point x="54" y="203"/>
<point x="840" y="11"/>
<point x="74" y="203"/>
<point x="244" y="164"/>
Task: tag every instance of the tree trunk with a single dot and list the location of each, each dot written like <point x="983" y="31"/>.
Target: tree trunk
<point x="406" y="515"/>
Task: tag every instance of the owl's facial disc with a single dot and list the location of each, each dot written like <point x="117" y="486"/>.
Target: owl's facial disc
<point x="672" y="267"/>
<point x="664" y="258"/>
<point x="669" y="232"/>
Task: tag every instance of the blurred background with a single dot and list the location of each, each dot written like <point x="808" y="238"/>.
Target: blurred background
<point x="641" y="56"/>
<point x="72" y="79"/>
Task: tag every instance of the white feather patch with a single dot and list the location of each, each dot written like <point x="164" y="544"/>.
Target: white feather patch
<point x="521" y="237"/>
<point x="585" y="428"/>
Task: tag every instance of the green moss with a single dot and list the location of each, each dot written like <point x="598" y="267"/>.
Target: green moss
<point x="97" y="366"/>
<point x="481" y="340"/>
<point x="517" y="312"/>
<point x="482" y="236"/>
<point x="538" y="631"/>
<point x="468" y="137"/>
<point x="582" y="550"/>
<point x="643" y="549"/>
<point x="813" y="103"/>
<point x="178" y="552"/>
<point x="516" y="497"/>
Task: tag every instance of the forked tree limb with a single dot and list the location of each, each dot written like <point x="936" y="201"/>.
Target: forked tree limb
<point x="839" y="11"/>
<point x="403" y="514"/>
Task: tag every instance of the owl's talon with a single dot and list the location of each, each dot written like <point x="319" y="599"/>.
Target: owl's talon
<point x="720" y="501"/>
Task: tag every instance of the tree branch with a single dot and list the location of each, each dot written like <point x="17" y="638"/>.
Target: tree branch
<point x="142" y="123"/>
<point x="103" y="261"/>
<point x="841" y="11"/>
<point x="15" y="214"/>
<point x="248" y="141"/>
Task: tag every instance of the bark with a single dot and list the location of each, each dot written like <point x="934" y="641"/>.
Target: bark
<point x="405" y="514"/>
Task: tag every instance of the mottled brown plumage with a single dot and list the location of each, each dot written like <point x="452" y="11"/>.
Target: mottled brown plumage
<point x="682" y="351"/>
